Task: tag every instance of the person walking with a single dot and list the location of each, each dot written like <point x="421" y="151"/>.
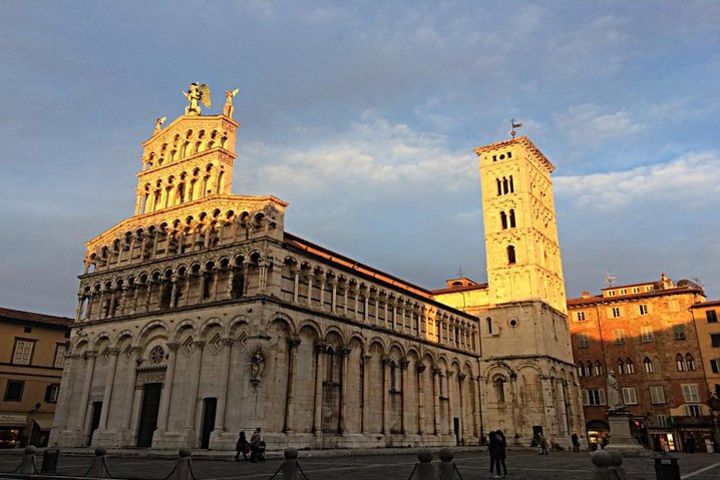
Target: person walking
<point x="255" y="442"/>
<point x="575" y="442"/>
<point x="542" y="443"/>
<point x="491" y="450"/>
<point x="242" y="446"/>
<point x="500" y="454"/>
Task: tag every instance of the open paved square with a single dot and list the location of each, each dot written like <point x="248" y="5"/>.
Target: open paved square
<point x="472" y="465"/>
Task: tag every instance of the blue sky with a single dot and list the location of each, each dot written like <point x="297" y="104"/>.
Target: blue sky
<point x="364" y="116"/>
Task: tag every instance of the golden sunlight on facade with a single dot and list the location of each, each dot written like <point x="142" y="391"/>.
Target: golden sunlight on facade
<point x="200" y="316"/>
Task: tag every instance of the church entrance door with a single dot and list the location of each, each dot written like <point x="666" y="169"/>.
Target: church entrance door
<point x="208" y="424"/>
<point x="149" y="413"/>
<point x="94" y="419"/>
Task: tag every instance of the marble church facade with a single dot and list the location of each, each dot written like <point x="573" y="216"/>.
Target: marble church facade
<point x="200" y="316"/>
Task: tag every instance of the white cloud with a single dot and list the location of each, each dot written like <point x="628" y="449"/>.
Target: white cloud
<point x="591" y="124"/>
<point x="688" y="180"/>
<point x="374" y="157"/>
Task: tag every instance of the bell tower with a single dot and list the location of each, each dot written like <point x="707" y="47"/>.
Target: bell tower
<point x="521" y="240"/>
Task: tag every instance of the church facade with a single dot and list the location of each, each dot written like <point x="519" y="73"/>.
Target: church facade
<point x="200" y="316"/>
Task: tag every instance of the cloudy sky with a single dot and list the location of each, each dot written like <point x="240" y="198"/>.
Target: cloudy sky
<point x="364" y="116"/>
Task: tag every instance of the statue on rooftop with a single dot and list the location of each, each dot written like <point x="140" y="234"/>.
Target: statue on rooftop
<point x="228" y="109"/>
<point x="197" y="93"/>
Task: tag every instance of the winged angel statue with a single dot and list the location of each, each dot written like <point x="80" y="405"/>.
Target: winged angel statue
<point x="196" y="94"/>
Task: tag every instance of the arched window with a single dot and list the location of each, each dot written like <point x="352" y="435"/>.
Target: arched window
<point x="506" y="185"/>
<point x="499" y="186"/>
<point x="689" y="362"/>
<point x="512" y="186"/>
<point x="500" y="389"/>
<point x="648" y="364"/>
<point x="680" y="362"/>
<point x="621" y="366"/>
<point x="598" y="369"/>
<point x="511" y="254"/>
<point x="629" y="366"/>
<point x="503" y="220"/>
<point x="512" y="218"/>
<point x="588" y="369"/>
<point x="580" y="369"/>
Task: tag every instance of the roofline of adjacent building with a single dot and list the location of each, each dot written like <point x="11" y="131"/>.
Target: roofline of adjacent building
<point x="574" y="302"/>
<point x="709" y="303"/>
<point x="22" y="316"/>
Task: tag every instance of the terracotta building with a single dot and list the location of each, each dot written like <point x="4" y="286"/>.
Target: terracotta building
<point x="707" y="323"/>
<point x="646" y="334"/>
<point x="32" y="353"/>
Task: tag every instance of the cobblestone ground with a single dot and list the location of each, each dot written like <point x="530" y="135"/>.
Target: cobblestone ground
<point x="521" y="465"/>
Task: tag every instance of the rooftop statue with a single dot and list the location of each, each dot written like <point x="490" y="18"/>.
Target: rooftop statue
<point x="228" y="109"/>
<point x="197" y="93"/>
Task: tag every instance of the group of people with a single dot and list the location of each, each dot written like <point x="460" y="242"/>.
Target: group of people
<point x="255" y="447"/>
<point x="498" y="453"/>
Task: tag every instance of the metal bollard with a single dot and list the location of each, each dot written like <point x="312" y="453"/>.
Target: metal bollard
<point x="446" y="469"/>
<point x="183" y="466"/>
<point x="289" y="467"/>
<point x="424" y="470"/>
<point x="98" y="468"/>
<point x="28" y="462"/>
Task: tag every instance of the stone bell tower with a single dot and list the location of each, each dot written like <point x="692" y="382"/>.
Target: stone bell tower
<point x="521" y="240"/>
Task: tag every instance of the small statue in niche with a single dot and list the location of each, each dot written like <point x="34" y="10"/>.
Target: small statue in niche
<point x="257" y="366"/>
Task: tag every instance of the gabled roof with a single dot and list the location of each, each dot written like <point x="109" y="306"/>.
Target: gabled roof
<point x="20" y="316"/>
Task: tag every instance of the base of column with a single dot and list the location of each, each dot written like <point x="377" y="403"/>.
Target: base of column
<point x="222" y="440"/>
<point x="169" y="440"/>
<point x="107" y="439"/>
<point x="70" y="438"/>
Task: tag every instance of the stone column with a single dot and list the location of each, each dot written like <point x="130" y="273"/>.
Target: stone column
<point x="107" y="393"/>
<point x="386" y="395"/>
<point x="78" y="310"/>
<point x="334" y="297"/>
<point x="188" y="281"/>
<point x="421" y="398"/>
<point x="85" y="396"/>
<point x="128" y="405"/>
<point x="475" y="391"/>
<point x="293" y="343"/>
<point x="173" y="292"/>
<point x="436" y="401"/>
<point x="404" y="394"/>
<point x="196" y="369"/>
<point x="450" y="413"/>
<point x="224" y="380"/>
<point x="308" y="302"/>
<point x="230" y="280"/>
<point x="319" y="376"/>
<point x="461" y="381"/>
<point x="365" y="392"/>
<point x="166" y="394"/>
<point x="345" y="298"/>
<point x="344" y="354"/>
<point x="216" y="282"/>
<point x="296" y="292"/>
<point x="322" y="293"/>
<point x="148" y="295"/>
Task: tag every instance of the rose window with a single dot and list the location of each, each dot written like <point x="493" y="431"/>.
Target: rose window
<point x="157" y="355"/>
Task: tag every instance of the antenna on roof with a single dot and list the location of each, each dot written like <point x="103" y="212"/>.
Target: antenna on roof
<point x="460" y="272"/>
<point x="609" y="279"/>
<point x="513" y="126"/>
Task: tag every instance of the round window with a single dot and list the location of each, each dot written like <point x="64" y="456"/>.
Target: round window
<point x="513" y="323"/>
<point x="157" y="355"/>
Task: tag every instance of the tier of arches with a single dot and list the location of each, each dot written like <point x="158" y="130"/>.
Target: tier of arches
<point x="315" y="379"/>
<point x="315" y="286"/>
<point x="172" y="287"/>
<point x="182" y="146"/>
<point x="183" y="187"/>
<point x="178" y="236"/>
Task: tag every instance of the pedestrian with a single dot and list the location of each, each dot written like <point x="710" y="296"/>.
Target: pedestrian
<point x="491" y="450"/>
<point x="255" y="442"/>
<point x="575" y="442"/>
<point x="542" y="443"/>
<point x="500" y="454"/>
<point x="242" y="446"/>
<point x="604" y="442"/>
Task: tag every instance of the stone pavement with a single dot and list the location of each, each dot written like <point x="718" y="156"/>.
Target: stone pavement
<point x="472" y="465"/>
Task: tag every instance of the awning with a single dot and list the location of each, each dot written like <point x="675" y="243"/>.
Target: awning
<point x="12" y="420"/>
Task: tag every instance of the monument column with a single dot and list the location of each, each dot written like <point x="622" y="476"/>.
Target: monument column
<point x="404" y="394"/>
<point x="196" y="367"/>
<point x="421" y="398"/>
<point x="293" y="343"/>
<point x="436" y="401"/>
<point x="386" y="395"/>
<point x="365" y="391"/>
<point x="449" y="387"/>
<point x="344" y="354"/>
<point x="461" y="381"/>
<point x="85" y="397"/>
<point x="167" y="389"/>
<point x="224" y="380"/>
<point x="319" y="376"/>
<point x="107" y="393"/>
